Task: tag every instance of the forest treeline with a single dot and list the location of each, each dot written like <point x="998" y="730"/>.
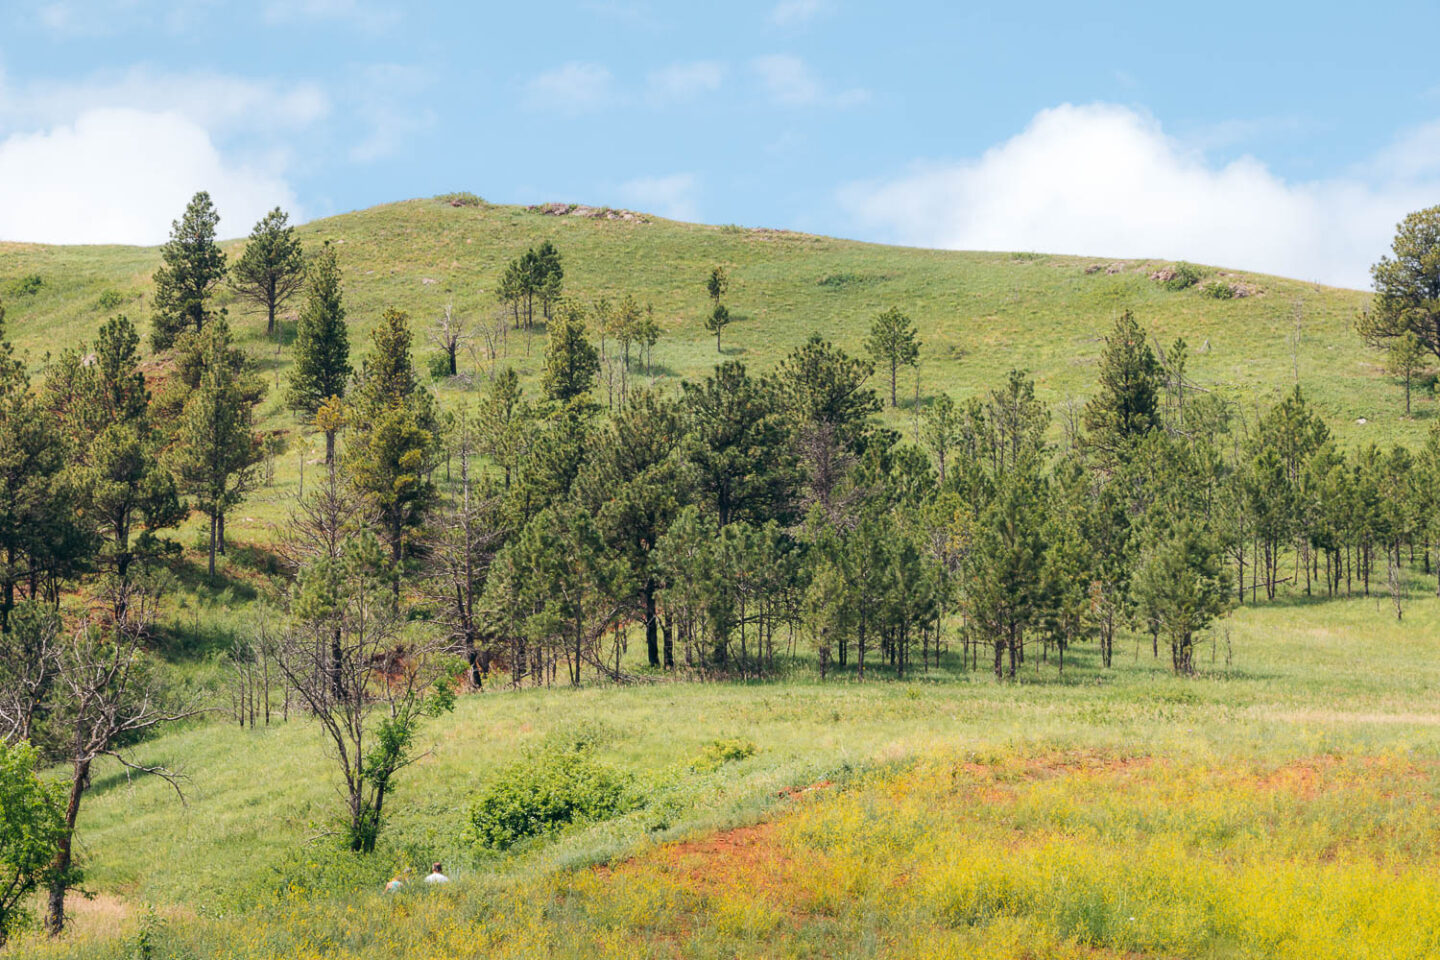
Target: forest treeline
<point x="739" y="522"/>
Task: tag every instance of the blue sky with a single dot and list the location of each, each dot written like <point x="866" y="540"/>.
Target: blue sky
<point x="1280" y="137"/>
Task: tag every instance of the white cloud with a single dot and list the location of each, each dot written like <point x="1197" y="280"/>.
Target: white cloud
<point x="121" y="176"/>
<point x="671" y="196"/>
<point x="222" y="103"/>
<point x="790" y="13"/>
<point x="681" y="82"/>
<point x="1104" y="180"/>
<point x="574" y="87"/>
<point x="789" y="82"/>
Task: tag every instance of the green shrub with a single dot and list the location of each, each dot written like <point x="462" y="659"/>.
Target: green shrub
<point x="542" y="794"/>
<point x="717" y="753"/>
<point x="438" y="366"/>
<point x="1182" y="276"/>
<point x="26" y="286"/>
<point x="110" y="300"/>
<point x="846" y="279"/>
<point x="1218" y="291"/>
<point x="462" y="198"/>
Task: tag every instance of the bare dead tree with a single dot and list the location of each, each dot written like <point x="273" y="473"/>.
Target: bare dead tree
<point x="106" y="693"/>
<point x="317" y="529"/>
<point x="450" y="333"/>
<point x="463" y="541"/>
<point x="366" y="680"/>
<point x="29" y="658"/>
<point x="490" y="339"/>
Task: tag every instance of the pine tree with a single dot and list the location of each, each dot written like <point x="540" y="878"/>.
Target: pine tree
<point x="1406" y="360"/>
<point x="1127" y="404"/>
<point x="128" y="495"/>
<point x="718" y="320"/>
<point x="739" y="446"/>
<point x="548" y="277"/>
<point x="893" y="344"/>
<point x="571" y="361"/>
<point x="193" y="265"/>
<point x="34" y="508"/>
<point x="396" y="442"/>
<point x="1407" y="286"/>
<point x="216" y="450"/>
<point x="322" y="344"/>
<point x="271" y="269"/>
<point x="717" y="284"/>
<point x="1178" y="588"/>
<point x="633" y="483"/>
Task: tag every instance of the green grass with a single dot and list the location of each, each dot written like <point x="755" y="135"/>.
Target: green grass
<point x="1305" y="680"/>
<point x="979" y="314"/>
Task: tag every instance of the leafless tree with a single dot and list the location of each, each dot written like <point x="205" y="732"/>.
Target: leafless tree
<point x="365" y="678"/>
<point x="463" y="542"/>
<point x="105" y="694"/>
<point x="490" y="339"/>
<point x="29" y="657"/>
<point x="450" y="334"/>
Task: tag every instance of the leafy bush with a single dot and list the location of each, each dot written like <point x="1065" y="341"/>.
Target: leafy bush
<point x="463" y="198"/>
<point x="438" y="366"/>
<point x="1219" y="291"/>
<point x="717" y="753"/>
<point x="110" y="300"/>
<point x="26" y="286"/>
<point x="1182" y="277"/>
<point x="542" y="794"/>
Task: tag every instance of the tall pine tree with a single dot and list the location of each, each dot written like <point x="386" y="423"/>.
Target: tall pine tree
<point x="191" y="268"/>
<point x="322" y="346"/>
<point x="271" y="269"/>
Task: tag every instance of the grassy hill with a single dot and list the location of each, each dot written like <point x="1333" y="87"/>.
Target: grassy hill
<point x="1105" y="813"/>
<point x="978" y="314"/>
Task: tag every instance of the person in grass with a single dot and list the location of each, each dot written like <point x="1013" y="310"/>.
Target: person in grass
<point x="397" y="882"/>
<point x="437" y="875"/>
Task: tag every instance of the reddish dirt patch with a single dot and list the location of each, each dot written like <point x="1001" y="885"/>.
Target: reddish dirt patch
<point x="1304" y="778"/>
<point x="792" y="792"/>
<point x="745" y="859"/>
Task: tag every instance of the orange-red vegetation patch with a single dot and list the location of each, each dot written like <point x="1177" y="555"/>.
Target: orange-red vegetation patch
<point x="747" y="860"/>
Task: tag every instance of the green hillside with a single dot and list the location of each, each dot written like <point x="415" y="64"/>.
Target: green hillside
<point x="1084" y="810"/>
<point x="978" y="314"/>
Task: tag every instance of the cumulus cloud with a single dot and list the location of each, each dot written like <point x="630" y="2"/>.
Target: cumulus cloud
<point x="120" y="176"/>
<point x="671" y="196"/>
<point x="789" y="82"/>
<point x="790" y="13"/>
<point x="680" y="82"/>
<point x="574" y="87"/>
<point x="222" y="103"/>
<point x="1105" y="180"/>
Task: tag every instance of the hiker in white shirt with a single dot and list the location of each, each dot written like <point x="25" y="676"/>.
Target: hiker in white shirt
<point x="436" y="875"/>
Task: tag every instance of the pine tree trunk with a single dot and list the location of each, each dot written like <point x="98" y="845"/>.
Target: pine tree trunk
<point x="652" y="627"/>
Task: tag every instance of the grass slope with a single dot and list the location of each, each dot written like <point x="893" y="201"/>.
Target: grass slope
<point x="979" y="314"/>
<point x="1228" y="814"/>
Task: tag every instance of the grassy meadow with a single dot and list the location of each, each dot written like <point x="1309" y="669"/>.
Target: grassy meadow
<point x="1281" y="804"/>
<point x="1284" y="803"/>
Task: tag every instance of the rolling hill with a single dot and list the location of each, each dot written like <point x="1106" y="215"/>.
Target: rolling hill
<point x="978" y="314"/>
